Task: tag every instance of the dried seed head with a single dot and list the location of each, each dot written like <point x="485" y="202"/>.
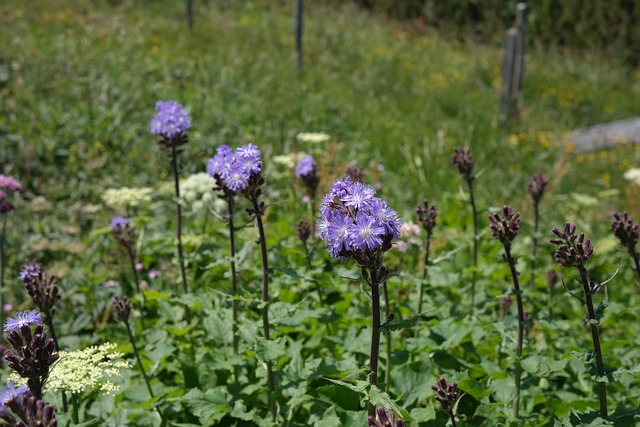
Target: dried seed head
<point x="505" y="225"/>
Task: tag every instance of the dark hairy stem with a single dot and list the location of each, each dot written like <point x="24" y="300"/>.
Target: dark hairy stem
<point x="135" y="350"/>
<point x="176" y="179"/>
<point x="595" y="336"/>
<point x="265" y="304"/>
<point x="308" y="257"/>
<point x="424" y="272"/>
<point x="2" y="237"/>
<point x="48" y="320"/>
<point x="534" y="250"/>
<point x="234" y="282"/>
<point x="375" y="333"/>
<point x="475" y="244"/>
<point x="132" y="261"/>
<point x="636" y="259"/>
<point x="518" y="292"/>
<point x="452" y="416"/>
<point x="387" y="309"/>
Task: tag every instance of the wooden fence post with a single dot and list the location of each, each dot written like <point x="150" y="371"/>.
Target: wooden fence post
<point x="298" y="32"/>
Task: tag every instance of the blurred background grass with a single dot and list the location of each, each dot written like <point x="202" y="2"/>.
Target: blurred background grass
<point x="85" y="76"/>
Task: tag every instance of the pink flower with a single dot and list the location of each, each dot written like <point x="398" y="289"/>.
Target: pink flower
<point x="10" y="183"/>
<point x="110" y="283"/>
<point x="153" y="274"/>
<point x="139" y="266"/>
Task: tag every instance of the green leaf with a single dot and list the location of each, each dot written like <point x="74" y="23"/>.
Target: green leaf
<point x="474" y="388"/>
<point x="404" y="324"/>
<point x="209" y="406"/>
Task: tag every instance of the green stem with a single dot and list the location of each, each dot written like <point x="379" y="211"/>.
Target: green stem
<point x="424" y="272"/>
<point x="137" y="353"/>
<point x="265" y="304"/>
<point x="593" y="324"/>
<point x="75" y="409"/>
<point x="132" y="261"/>
<point x="518" y="292"/>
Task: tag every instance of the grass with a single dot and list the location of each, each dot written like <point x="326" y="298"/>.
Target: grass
<point x="74" y="122"/>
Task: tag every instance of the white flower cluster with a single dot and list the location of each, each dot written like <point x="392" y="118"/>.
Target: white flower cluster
<point x="633" y="175"/>
<point x="126" y="197"/>
<point x="196" y="191"/>
<point x="313" y="137"/>
<point x="84" y="370"/>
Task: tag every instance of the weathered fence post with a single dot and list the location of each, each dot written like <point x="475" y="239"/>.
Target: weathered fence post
<point x="298" y="31"/>
<point x="190" y="14"/>
<point x="513" y="66"/>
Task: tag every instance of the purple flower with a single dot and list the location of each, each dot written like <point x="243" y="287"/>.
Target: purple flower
<point x="3" y="195"/>
<point x="23" y="318"/>
<point x="30" y="270"/>
<point x="7" y="308"/>
<point x="110" y="284"/>
<point x="235" y="169"/>
<point x="153" y="274"/>
<point x="353" y="222"/>
<point x="10" y="183"/>
<point x="119" y="222"/>
<point x="12" y="393"/>
<point x="139" y="266"/>
<point x="218" y="163"/>
<point x="171" y="119"/>
<point x="305" y="166"/>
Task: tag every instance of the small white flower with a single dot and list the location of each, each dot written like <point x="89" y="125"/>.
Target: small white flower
<point x="313" y="137"/>
<point x="633" y="175"/>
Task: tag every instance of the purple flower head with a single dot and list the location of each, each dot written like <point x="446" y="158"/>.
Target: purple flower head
<point x="219" y="162"/>
<point x="446" y="394"/>
<point x="6" y="207"/>
<point x="10" y="183"/>
<point x="305" y="166"/>
<point x="23" y="318"/>
<point x="3" y="195"/>
<point x="123" y="231"/>
<point x="30" y="270"/>
<point x="12" y="393"/>
<point x="354" y="223"/>
<point x="235" y="169"/>
<point x="171" y="119"/>
<point x="153" y="274"/>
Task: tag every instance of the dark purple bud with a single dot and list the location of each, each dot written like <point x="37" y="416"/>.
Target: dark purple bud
<point x="505" y="225"/>
<point x="427" y="215"/>
<point x="355" y="173"/>
<point x="536" y="187"/>
<point x="573" y="250"/>
<point x="303" y="229"/>
<point x="123" y="231"/>
<point x="446" y="394"/>
<point x="505" y="304"/>
<point x="463" y="160"/>
<point x="625" y="230"/>
<point x="122" y="307"/>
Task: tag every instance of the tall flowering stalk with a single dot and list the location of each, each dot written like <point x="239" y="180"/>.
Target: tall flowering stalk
<point x="217" y="168"/>
<point x="33" y="354"/>
<point x="627" y="232"/>
<point x="505" y="226"/>
<point x="360" y="227"/>
<point x="125" y="234"/>
<point x="170" y="124"/>
<point x="241" y="171"/>
<point x="8" y="184"/>
<point x="575" y="250"/>
<point x="463" y="160"/>
<point x="536" y="188"/>
<point x="427" y="214"/>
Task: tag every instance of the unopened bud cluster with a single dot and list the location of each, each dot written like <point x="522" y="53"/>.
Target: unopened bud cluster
<point x="446" y="394"/>
<point x="385" y="419"/>
<point x="123" y="231"/>
<point x="463" y="160"/>
<point x="427" y="215"/>
<point x="624" y="229"/>
<point x="27" y="410"/>
<point x="536" y="187"/>
<point x="505" y="225"/>
<point x="574" y="250"/>
<point x="303" y="230"/>
<point x="42" y="288"/>
<point x="122" y="307"/>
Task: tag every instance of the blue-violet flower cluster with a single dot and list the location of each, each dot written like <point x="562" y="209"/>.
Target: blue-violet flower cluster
<point x="235" y="168"/>
<point x="353" y="221"/>
<point x="171" y="119"/>
<point x="305" y="166"/>
<point x="23" y="318"/>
